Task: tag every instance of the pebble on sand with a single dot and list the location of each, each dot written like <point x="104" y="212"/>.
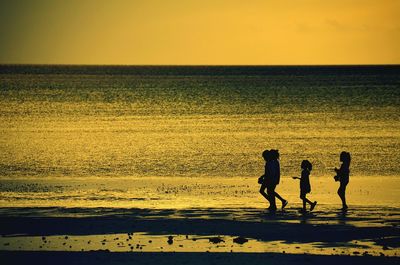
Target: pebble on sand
<point x="216" y="240"/>
<point x="170" y="240"/>
<point x="240" y="240"/>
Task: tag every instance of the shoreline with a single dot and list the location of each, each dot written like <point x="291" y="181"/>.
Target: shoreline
<point x="189" y="192"/>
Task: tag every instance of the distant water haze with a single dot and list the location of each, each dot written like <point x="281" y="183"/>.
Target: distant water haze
<point x="104" y="121"/>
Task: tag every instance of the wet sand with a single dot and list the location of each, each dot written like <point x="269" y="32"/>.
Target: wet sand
<point x="362" y="235"/>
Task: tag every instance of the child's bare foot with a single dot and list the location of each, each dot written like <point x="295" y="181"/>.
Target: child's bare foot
<point x="313" y="206"/>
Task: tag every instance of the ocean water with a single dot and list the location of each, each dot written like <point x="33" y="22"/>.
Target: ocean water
<point x="121" y="122"/>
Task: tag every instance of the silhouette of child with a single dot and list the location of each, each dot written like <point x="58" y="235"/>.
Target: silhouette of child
<point x="277" y="173"/>
<point x="271" y="178"/>
<point x="342" y="175"/>
<point x="305" y="186"/>
<point x="264" y="179"/>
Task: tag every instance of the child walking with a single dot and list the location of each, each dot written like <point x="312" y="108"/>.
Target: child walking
<point x="342" y="175"/>
<point x="270" y="179"/>
<point x="305" y="186"/>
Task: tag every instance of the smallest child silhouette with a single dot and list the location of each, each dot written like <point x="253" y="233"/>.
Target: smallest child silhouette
<point x="305" y="186"/>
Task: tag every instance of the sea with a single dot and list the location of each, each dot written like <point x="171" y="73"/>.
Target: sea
<point x="161" y="136"/>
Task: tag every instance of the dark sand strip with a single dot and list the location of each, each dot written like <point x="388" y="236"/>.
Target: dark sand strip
<point x="330" y="228"/>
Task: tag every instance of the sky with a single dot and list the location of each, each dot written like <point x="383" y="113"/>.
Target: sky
<point x="203" y="32"/>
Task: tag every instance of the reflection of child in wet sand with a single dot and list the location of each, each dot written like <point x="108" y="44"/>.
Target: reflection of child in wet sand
<point x="305" y="186"/>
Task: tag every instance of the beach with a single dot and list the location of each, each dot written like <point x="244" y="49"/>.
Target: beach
<point x="223" y="221"/>
<point x="199" y="132"/>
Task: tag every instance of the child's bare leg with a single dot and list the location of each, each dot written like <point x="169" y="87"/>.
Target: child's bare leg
<point x="343" y="198"/>
<point x="342" y="194"/>
<point x="271" y="197"/>
<point x="303" y="197"/>
<point x="279" y="197"/>
<point x="307" y="200"/>
<point x="263" y="193"/>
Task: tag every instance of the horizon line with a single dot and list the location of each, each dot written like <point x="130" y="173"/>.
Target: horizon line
<point x="184" y="65"/>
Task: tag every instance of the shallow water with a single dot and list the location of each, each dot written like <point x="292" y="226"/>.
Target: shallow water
<point x="181" y="193"/>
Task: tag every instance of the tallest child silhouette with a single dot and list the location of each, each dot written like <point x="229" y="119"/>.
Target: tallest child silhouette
<point x="271" y="178"/>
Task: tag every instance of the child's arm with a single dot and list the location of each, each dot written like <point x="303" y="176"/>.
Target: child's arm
<point x="295" y="178"/>
<point x="337" y="177"/>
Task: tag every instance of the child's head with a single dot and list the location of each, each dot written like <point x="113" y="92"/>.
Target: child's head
<point x="274" y="154"/>
<point x="305" y="164"/>
<point x="266" y="155"/>
<point x="345" y="157"/>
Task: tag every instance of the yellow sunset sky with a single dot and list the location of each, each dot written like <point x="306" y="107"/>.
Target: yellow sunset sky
<point x="210" y="32"/>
